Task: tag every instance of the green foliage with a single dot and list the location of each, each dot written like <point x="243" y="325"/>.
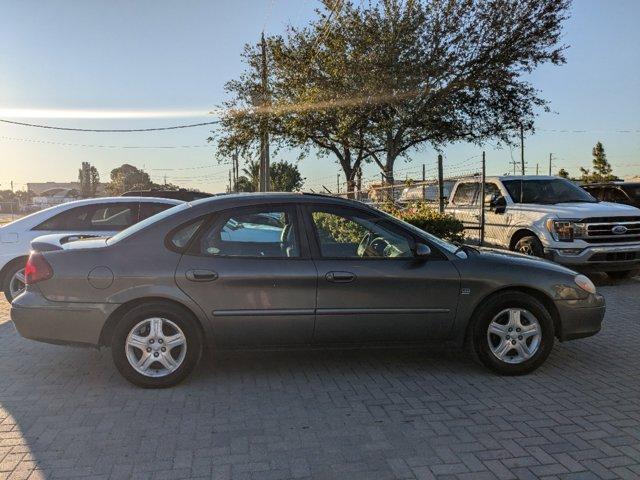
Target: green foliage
<point x="89" y="179"/>
<point x="563" y="173"/>
<point x="602" y="171"/>
<point x="338" y="229"/>
<point x="420" y="215"/>
<point x="285" y="177"/>
<point x="372" y="81"/>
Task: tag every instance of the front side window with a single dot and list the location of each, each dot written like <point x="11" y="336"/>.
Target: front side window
<point x="465" y="194"/>
<point x="267" y="232"/>
<point x="353" y="234"/>
<point x="73" y="219"/>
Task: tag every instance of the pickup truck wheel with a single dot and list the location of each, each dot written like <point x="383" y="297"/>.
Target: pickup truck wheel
<point x="512" y="334"/>
<point x="530" y="245"/>
<point x="13" y="283"/>
<point x="622" y="274"/>
<point x="156" y="345"/>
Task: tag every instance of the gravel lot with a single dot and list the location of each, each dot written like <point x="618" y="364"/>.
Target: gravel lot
<point x="371" y="414"/>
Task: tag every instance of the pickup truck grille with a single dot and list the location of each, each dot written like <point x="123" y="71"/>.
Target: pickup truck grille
<point x="611" y="229"/>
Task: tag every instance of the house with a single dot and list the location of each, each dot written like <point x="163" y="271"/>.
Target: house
<point x="48" y="194"/>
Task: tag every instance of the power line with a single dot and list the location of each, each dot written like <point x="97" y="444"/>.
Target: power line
<point x="100" y="130"/>
<point x="87" y="145"/>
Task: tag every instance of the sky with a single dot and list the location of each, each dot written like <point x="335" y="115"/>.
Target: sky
<point x="121" y="64"/>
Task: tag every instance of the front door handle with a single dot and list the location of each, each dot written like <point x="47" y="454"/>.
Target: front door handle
<point x="201" y="275"/>
<point x="340" y="277"/>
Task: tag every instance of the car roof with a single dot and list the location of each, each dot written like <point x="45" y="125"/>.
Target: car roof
<point x="258" y="198"/>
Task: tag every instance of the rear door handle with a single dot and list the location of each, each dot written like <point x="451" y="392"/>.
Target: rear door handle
<point x="201" y="275"/>
<point x="340" y="277"/>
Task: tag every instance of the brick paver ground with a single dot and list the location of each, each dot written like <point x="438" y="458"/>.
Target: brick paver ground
<point x="372" y="414"/>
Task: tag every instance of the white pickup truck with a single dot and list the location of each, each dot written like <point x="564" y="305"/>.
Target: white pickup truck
<point x="553" y="218"/>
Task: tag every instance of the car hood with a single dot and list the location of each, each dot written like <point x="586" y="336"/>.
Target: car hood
<point x="518" y="259"/>
<point x="579" y="210"/>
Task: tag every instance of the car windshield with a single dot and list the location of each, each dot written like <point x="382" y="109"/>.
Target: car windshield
<point x="546" y="191"/>
<point x="632" y="190"/>
<point x="146" y="222"/>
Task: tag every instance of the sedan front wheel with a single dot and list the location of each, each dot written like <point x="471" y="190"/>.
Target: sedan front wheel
<point x="156" y="345"/>
<point x="512" y="334"/>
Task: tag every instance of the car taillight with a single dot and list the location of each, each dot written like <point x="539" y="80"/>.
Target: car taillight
<point x="37" y="269"/>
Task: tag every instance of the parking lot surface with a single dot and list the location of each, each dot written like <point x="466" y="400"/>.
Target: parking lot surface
<point x="370" y="414"/>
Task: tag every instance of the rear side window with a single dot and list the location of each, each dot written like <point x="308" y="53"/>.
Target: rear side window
<point x="183" y="235"/>
<point x="99" y="217"/>
<point x="465" y="194"/>
<point x="266" y="232"/>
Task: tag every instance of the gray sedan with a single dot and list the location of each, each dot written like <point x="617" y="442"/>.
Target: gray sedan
<point x="281" y="270"/>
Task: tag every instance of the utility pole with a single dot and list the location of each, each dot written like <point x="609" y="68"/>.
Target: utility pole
<point x="424" y="179"/>
<point x="12" y="185"/>
<point x="537" y="165"/>
<point x="338" y="184"/>
<point x="265" y="181"/>
<point x="482" y="195"/>
<point x="522" y="148"/>
<point x="440" y="185"/>
<point x="550" y="160"/>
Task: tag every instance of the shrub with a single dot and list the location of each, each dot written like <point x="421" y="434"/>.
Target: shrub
<point x="420" y="215"/>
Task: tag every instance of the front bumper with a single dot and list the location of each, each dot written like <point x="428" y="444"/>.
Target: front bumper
<point x="598" y="258"/>
<point x="580" y="318"/>
<point x="64" y="323"/>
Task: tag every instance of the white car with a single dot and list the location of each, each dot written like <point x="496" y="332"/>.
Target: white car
<point x="553" y="218"/>
<point x="82" y="218"/>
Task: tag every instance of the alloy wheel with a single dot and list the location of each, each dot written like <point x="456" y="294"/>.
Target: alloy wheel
<point x="514" y="335"/>
<point x="17" y="284"/>
<point x="156" y="347"/>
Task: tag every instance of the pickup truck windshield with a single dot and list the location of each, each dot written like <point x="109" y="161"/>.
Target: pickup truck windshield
<point x="546" y="191"/>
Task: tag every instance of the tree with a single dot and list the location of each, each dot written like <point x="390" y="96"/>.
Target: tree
<point x="376" y="81"/>
<point x="602" y="171"/>
<point x="285" y="177"/>
<point x="89" y="179"/>
<point x="127" y="177"/>
<point x="563" y="173"/>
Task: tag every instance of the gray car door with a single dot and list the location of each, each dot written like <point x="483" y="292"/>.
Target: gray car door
<point x="371" y="287"/>
<point x="252" y="274"/>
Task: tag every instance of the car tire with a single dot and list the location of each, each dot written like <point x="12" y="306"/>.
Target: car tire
<point x="9" y="273"/>
<point x="141" y="347"/>
<point x="529" y="245"/>
<point x="486" y="345"/>
<point x="622" y="274"/>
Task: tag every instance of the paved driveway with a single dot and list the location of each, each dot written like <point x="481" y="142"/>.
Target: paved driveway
<point x="66" y="413"/>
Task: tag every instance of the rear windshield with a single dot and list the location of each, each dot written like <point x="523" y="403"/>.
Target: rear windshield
<point x="126" y="233"/>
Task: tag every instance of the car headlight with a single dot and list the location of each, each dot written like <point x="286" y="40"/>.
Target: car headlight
<point x="561" y="230"/>
<point x="585" y="284"/>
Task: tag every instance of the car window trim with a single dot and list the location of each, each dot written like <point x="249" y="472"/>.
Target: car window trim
<point x="213" y="217"/>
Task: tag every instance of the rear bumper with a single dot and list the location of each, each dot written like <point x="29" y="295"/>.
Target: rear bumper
<point x="598" y="258"/>
<point x="580" y="318"/>
<point x="37" y="318"/>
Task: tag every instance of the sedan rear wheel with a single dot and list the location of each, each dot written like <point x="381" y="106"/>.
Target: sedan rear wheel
<point x="156" y="345"/>
<point x="14" y="282"/>
<point x="512" y="333"/>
